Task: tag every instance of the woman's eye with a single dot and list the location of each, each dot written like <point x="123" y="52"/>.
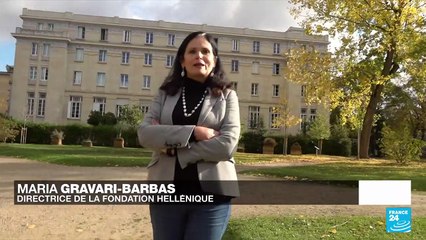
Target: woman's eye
<point x="205" y="51"/>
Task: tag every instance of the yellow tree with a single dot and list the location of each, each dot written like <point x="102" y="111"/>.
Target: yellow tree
<point x="284" y="120"/>
<point x="375" y="37"/>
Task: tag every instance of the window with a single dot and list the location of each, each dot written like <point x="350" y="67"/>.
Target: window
<point x="33" y="73"/>
<point x="313" y="115"/>
<point x="46" y="48"/>
<point x="149" y="38"/>
<point x="169" y="60"/>
<point x="99" y="104"/>
<point x="81" y="32"/>
<point x="100" y="79"/>
<point x="148" y="59"/>
<point x="125" y="56"/>
<point x="78" y="75"/>
<point x="124" y="80"/>
<point x="276" y="69"/>
<point x="256" y="46"/>
<point x="41" y="104"/>
<point x="234" y="66"/>
<point x="40" y="26"/>
<point x="254" y="89"/>
<point x="74" y="107"/>
<point x="146" y="82"/>
<point x="304" y="118"/>
<point x="30" y="103"/>
<point x="171" y="39"/>
<point x="102" y="55"/>
<point x="44" y="73"/>
<point x="126" y="36"/>
<point x="79" y="54"/>
<point x="235" y="45"/>
<point x="277" y="49"/>
<point x="144" y="108"/>
<point x="254" y="115"/>
<point x="275" y="90"/>
<point x="34" y="49"/>
<point x="234" y="85"/>
<point x="255" y="68"/>
<point x="50" y="26"/>
<point x="303" y="90"/>
<point x="119" y="106"/>
<point x="104" y="34"/>
<point x="273" y="116"/>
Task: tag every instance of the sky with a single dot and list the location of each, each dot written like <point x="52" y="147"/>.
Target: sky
<point x="255" y="14"/>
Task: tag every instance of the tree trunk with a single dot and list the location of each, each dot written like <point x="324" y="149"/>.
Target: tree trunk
<point x="367" y="124"/>
<point x="285" y="145"/>
<point x="389" y="67"/>
<point x="320" y="146"/>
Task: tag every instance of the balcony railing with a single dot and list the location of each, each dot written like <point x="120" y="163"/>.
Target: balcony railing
<point x="48" y="33"/>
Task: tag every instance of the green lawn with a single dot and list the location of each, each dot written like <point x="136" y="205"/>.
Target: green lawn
<point x="307" y="228"/>
<point x="351" y="171"/>
<point x="329" y="167"/>
<point x="285" y="227"/>
<point x="78" y="155"/>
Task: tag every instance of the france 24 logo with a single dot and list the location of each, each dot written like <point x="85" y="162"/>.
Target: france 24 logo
<point x="398" y="220"/>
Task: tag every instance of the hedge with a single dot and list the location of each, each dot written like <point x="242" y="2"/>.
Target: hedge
<point x="75" y="134"/>
<point x="253" y="141"/>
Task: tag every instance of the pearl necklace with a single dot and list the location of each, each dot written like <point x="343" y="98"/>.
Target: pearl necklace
<point x="196" y="107"/>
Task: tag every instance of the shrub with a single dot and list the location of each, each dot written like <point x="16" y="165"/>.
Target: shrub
<point x="8" y="129"/>
<point x="76" y="133"/>
<point x="109" y="119"/>
<point x="95" y="118"/>
<point x="39" y="132"/>
<point x="103" y="135"/>
<point x="400" y="145"/>
<point x="338" y="147"/>
<point x="130" y="138"/>
<point x="252" y="141"/>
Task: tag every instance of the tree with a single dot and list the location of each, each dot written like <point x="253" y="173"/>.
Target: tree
<point x="319" y="129"/>
<point x="95" y="118"/>
<point x="400" y="145"/>
<point x="284" y="120"/>
<point x="375" y="39"/>
<point x="8" y="129"/>
<point x="130" y="117"/>
<point x="109" y="119"/>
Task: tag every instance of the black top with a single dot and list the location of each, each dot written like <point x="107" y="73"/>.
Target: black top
<point x="186" y="180"/>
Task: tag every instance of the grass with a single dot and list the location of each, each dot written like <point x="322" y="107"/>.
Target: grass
<point x="78" y="155"/>
<point x="360" y="170"/>
<point x="327" y="167"/>
<point x="306" y="228"/>
<point x="286" y="227"/>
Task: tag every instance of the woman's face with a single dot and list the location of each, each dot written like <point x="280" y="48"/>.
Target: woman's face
<point x="198" y="59"/>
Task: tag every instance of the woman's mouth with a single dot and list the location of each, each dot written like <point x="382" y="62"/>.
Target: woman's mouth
<point x="199" y="65"/>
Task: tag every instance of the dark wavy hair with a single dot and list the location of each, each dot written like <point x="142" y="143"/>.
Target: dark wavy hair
<point x="216" y="81"/>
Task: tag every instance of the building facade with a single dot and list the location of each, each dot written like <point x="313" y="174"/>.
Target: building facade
<point x="5" y="87"/>
<point x="67" y="65"/>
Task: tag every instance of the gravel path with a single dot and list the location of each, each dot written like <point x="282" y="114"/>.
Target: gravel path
<point x="125" y="221"/>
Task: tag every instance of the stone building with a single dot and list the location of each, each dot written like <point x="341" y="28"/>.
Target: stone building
<point x="68" y="64"/>
<point x="5" y="86"/>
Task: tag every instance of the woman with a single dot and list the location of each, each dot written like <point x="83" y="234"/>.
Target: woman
<point x="193" y="127"/>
